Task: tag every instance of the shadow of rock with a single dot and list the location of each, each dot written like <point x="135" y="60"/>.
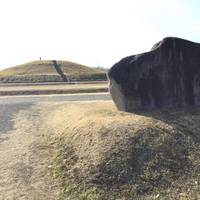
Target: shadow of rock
<point x="7" y="112"/>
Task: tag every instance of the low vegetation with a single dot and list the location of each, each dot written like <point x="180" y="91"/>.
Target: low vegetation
<point x="36" y="89"/>
<point x="44" y="71"/>
<point x="106" y="154"/>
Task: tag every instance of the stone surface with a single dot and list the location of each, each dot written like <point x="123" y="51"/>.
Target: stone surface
<point x="168" y="76"/>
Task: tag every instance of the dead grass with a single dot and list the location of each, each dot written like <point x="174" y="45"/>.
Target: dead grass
<point x="106" y="154"/>
<point x="52" y="89"/>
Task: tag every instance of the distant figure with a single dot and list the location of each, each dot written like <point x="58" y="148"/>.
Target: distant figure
<point x="40" y="58"/>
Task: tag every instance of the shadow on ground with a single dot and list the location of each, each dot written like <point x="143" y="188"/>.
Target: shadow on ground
<point x="7" y="113"/>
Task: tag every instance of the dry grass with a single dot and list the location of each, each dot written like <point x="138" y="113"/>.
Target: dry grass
<point x="106" y="154"/>
<point x="52" y="89"/>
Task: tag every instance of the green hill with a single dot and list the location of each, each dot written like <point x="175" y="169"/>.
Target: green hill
<point x="46" y="71"/>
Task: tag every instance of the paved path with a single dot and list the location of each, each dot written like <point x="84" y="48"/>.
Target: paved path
<point x="54" y="98"/>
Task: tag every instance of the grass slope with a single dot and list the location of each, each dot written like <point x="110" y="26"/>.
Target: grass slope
<point x="106" y="154"/>
<point x="43" y="71"/>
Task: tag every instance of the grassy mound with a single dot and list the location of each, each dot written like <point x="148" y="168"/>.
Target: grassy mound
<point x="106" y="154"/>
<point x="44" y="71"/>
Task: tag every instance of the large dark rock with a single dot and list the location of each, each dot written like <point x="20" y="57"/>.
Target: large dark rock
<point x="167" y="76"/>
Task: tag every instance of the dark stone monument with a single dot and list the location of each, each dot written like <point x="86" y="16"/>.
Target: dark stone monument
<point x="168" y="76"/>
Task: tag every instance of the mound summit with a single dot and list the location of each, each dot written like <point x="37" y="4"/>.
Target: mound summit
<point x="168" y="76"/>
<point x="50" y="71"/>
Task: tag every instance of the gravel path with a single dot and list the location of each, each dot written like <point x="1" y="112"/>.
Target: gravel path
<point x="24" y="154"/>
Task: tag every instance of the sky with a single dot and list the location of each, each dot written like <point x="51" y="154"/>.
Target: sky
<point x="96" y="33"/>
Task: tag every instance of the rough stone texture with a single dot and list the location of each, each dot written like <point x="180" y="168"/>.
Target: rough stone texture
<point x="167" y="76"/>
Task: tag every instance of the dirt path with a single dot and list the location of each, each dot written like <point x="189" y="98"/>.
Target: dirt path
<point x="25" y="153"/>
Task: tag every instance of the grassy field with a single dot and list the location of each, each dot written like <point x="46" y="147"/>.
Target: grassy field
<point x="106" y="154"/>
<point x="44" y="71"/>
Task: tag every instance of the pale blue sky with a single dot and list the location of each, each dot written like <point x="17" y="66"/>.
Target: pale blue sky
<point x="91" y="32"/>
